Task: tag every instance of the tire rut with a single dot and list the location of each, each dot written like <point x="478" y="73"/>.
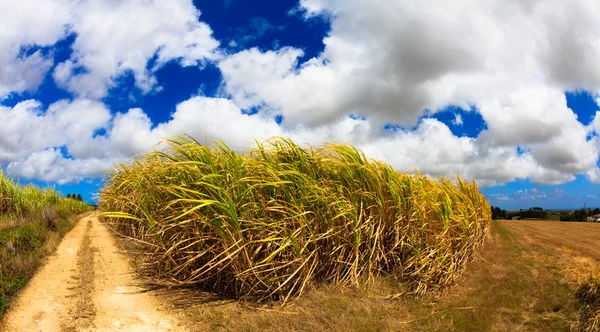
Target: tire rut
<point x="83" y="314"/>
<point x="88" y="285"/>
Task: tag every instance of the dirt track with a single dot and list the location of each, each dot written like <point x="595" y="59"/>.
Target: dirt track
<point x="87" y="286"/>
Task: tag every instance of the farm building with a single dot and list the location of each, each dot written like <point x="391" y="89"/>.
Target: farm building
<point x="516" y="218"/>
<point x="594" y="218"/>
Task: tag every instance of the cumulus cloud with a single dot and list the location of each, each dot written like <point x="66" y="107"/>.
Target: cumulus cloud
<point x="384" y="61"/>
<point x="119" y="37"/>
<point x="27" y="128"/>
<point x="205" y="119"/>
<point x="113" y="38"/>
<point x="423" y="54"/>
<point x="593" y="175"/>
<point x="389" y="61"/>
<point x="431" y="148"/>
<point x="125" y="135"/>
<point x="458" y="121"/>
<point x="21" y="70"/>
<point x="51" y="165"/>
<point x="32" y="140"/>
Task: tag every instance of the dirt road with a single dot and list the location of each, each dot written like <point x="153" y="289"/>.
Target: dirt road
<point x="87" y="286"/>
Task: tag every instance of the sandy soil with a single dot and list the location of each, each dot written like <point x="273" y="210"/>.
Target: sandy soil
<point x="88" y="286"/>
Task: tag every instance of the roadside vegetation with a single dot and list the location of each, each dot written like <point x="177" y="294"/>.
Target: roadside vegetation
<point x="268" y="224"/>
<point x="526" y="279"/>
<point x="588" y="296"/>
<point x="32" y="222"/>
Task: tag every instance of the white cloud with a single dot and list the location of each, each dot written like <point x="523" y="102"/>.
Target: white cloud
<point x="593" y="175"/>
<point x="27" y="128"/>
<point x="431" y="148"/>
<point x="51" y="165"/>
<point x="126" y="135"/>
<point x="530" y="194"/>
<point x="117" y="37"/>
<point x="500" y="197"/>
<point x="391" y="60"/>
<point x="386" y="60"/>
<point x="458" y="121"/>
<point x="24" y="24"/>
<point x="112" y="38"/>
<point x="205" y="119"/>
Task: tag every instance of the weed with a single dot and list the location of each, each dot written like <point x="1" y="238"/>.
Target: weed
<point x="49" y="217"/>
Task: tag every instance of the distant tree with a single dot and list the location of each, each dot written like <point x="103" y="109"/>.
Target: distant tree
<point x="68" y="195"/>
<point x="578" y="215"/>
<point x="566" y="217"/>
<point x="498" y="213"/>
<point x="533" y="212"/>
<point x="596" y="211"/>
<point x="79" y="197"/>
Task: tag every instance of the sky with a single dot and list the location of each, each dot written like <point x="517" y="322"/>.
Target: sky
<point x="505" y="93"/>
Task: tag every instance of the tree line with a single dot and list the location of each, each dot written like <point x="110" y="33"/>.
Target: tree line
<point x="580" y="215"/>
<point x="539" y="213"/>
<point x="75" y="197"/>
<point x="498" y="213"/>
<point x="532" y="212"/>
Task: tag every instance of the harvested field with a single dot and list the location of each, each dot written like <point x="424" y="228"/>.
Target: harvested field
<point x="580" y="237"/>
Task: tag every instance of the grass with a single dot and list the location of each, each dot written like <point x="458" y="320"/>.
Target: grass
<point x="588" y="296"/>
<point x="515" y="285"/>
<point x="553" y="217"/>
<point x="32" y="222"/>
<point x="269" y="224"/>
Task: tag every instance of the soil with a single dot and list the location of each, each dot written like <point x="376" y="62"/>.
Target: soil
<point x="88" y="285"/>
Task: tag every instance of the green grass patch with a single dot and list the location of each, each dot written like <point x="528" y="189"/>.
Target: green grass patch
<point x="507" y="236"/>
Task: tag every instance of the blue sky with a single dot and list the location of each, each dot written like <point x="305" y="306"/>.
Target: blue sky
<point x="507" y="97"/>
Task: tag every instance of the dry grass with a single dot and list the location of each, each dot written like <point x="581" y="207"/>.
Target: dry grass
<point x="280" y="219"/>
<point x="576" y="254"/>
<point x="588" y="296"/>
<point x="514" y="286"/>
